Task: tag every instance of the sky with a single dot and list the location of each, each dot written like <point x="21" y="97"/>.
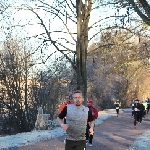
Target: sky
<point x="23" y="17"/>
<point x="22" y="139"/>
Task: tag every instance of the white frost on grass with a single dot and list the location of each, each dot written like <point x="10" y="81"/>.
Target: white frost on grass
<point x="28" y="138"/>
<point x="142" y="142"/>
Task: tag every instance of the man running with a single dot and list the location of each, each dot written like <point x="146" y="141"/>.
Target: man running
<point x="76" y="118"/>
<point x="89" y="136"/>
<point x="136" y="109"/>
<point x="145" y="106"/>
<point x="66" y="102"/>
<point x="117" y="105"/>
<point x="148" y="104"/>
<point x="141" y="112"/>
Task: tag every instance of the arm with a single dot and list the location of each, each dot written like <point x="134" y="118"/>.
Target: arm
<point x="91" y="130"/>
<point x="60" y="119"/>
<point x="91" y="122"/>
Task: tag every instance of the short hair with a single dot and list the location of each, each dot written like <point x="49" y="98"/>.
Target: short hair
<point x="78" y="91"/>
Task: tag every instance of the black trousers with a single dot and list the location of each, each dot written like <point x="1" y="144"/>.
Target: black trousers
<point x="117" y="111"/>
<point x="144" y="113"/>
<point x="148" y="109"/>
<point x="136" y="117"/>
<point x="132" y="113"/>
<point x="89" y="137"/>
<point x="140" y="116"/>
<point x="75" y="145"/>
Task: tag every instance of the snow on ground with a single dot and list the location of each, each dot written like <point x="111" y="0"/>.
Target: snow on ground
<point x="28" y="138"/>
<point x="142" y="142"/>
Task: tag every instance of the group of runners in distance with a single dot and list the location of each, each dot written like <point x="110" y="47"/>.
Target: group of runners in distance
<point x="79" y="121"/>
<point x="139" y="110"/>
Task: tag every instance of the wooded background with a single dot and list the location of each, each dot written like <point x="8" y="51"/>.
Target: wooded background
<point x="49" y="49"/>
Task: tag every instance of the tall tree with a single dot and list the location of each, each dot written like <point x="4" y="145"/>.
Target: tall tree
<point x="73" y="32"/>
<point x="72" y="43"/>
<point x="120" y="66"/>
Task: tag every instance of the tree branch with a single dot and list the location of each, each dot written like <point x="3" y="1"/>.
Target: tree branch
<point x="137" y="10"/>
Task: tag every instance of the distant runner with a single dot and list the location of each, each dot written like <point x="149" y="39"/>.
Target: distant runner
<point x="117" y="105"/>
<point x="145" y="106"/>
<point x="136" y="109"/>
<point x="141" y="112"/>
<point x="89" y="136"/>
<point x="148" y="104"/>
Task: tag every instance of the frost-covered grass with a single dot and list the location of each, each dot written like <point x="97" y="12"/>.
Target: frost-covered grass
<point x="142" y="142"/>
<point x="28" y="138"/>
<point x="18" y="140"/>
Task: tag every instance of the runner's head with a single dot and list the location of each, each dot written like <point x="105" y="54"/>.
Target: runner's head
<point x="89" y="102"/>
<point x="78" y="98"/>
<point x="136" y="100"/>
<point x="67" y="99"/>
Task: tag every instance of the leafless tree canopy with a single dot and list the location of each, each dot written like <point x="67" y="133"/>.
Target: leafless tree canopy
<point x="49" y="49"/>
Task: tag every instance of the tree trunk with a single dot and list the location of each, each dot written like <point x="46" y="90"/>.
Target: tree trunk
<point x="78" y="50"/>
<point x="83" y="16"/>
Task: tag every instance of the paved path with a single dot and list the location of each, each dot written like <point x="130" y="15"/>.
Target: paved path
<point x="115" y="133"/>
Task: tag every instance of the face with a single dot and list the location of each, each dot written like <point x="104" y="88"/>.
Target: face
<point x="67" y="99"/>
<point x="78" y="99"/>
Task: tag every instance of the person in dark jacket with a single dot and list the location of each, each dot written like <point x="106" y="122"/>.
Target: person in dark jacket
<point x="136" y="109"/>
<point x="117" y="105"/>
<point x="89" y="136"/>
<point x="148" y="104"/>
<point x="141" y="112"/>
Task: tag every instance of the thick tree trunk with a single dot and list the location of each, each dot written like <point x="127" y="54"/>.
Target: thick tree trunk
<point x="78" y="58"/>
<point x="83" y="16"/>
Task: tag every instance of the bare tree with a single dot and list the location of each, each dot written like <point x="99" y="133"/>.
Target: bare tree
<point x="75" y="18"/>
<point x="139" y="7"/>
<point x="15" y="71"/>
<point x="114" y="69"/>
<point x="142" y="8"/>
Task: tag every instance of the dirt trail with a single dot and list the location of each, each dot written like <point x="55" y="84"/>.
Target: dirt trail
<point x="115" y="133"/>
